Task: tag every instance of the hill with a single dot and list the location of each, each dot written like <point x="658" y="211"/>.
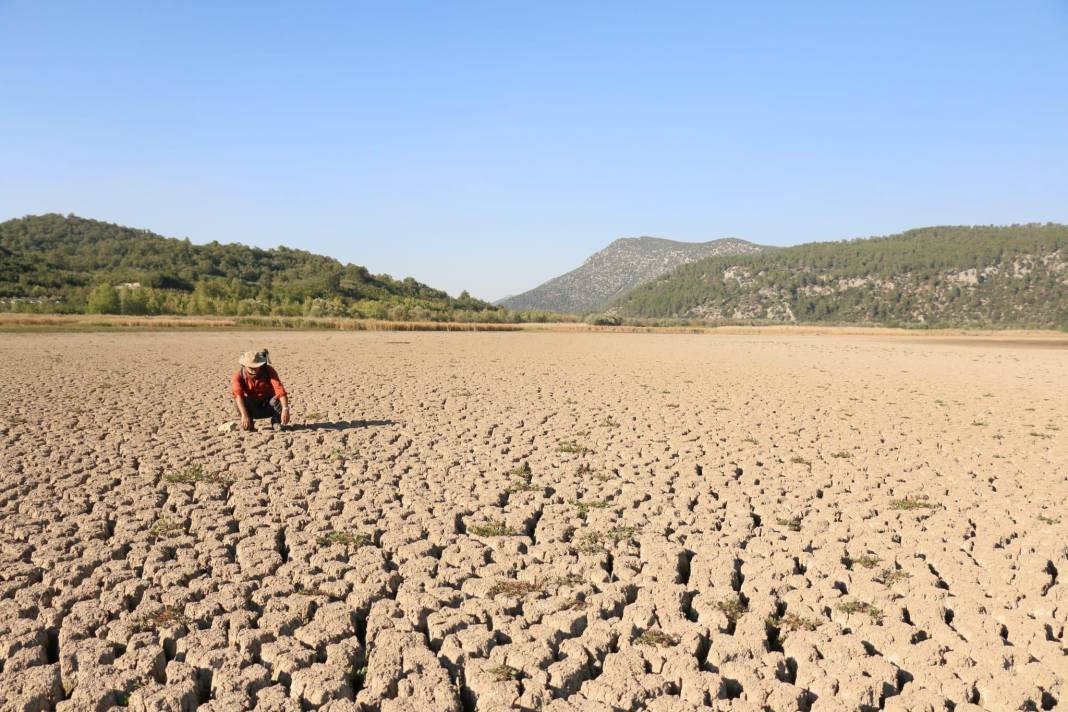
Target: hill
<point x="72" y="264"/>
<point x="618" y="268"/>
<point x="947" y="276"/>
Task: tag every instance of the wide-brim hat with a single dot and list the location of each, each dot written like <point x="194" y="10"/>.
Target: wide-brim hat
<point x="253" y="359"/>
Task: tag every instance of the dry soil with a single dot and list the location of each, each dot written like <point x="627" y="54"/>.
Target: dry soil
<point x="534" y="521"/>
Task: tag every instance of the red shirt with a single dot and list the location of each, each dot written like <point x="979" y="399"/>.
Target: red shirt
<point x="259" y="389"/>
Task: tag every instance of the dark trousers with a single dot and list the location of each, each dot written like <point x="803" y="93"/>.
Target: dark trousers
<point x="260" y="409"/>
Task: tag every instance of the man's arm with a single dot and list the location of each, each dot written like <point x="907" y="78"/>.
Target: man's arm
<point x="238" y="390"/>
<point x="284" y="400"/>
<point x="246" y="422"/>
<point x="280" y="394"/>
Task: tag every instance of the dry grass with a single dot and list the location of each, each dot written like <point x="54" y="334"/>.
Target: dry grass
<point x="10" y="321"/>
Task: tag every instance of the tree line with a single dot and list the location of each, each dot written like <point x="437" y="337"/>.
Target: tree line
<point x="67" y="264"/>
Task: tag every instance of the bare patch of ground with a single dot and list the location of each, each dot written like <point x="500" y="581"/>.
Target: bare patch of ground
<point x="534" y="521"/>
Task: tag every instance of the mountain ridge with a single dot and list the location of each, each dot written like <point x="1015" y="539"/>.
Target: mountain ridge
<point x="623" y="264"/>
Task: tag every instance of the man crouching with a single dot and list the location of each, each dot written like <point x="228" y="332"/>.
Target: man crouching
<point x="258" y="392"/>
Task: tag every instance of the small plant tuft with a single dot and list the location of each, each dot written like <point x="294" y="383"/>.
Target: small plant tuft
<point x="574" y="603"/>
<point x="619" y="533"/>
<point x="192" y="475"/>
<point x="358" y="671"/>
<point x="504" y="673"/>
<point x="851" y="607"/>
<point x="585" y="469"/>
<point x="909" y="503"/>
<point x="590" y="543"/>
<point x="594" y="542"/>
<point x="165" y="527"/>
<point x="497" y="527"/>
<point x="732" y="608"/>
<point x="163" y="618"/>
<point x="572" y="447"/>
<point x="523" y="471"/>
<point x="793" y="524"/>
<point x="609" y="423"/>
<point x="889" y="577"/>
<point x="1048" y="520"/>
<point x="842" y="454"/>
<point x="798" y="460"/>
<point x="868" y="561"/>
<point x="311" y="591"/>
<point x="512" y="588"/>
<point x="568" y="580"/>
<point x="122" y="699"/>
<point x="348" y="539"/>
<point x="522" y="486"/>
<point x="657" y="638"/>
<point x="585" y="507"/>
<point x="791" y="623"/>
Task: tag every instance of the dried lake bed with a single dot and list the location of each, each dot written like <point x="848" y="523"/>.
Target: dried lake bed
<point x="553" y="521"/>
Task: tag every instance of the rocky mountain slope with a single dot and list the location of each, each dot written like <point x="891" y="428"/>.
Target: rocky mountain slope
<point x="618" y="268"/>
<point x="968" y="276"/>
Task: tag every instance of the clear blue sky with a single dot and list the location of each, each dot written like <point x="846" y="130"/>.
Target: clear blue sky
<point x="489" y="146"/>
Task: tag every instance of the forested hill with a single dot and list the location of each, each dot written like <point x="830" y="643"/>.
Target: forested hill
<point x="952" y="276"/>
<point x="66" y="263"/>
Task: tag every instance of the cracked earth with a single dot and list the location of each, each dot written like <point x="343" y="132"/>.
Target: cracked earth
<point x="534" y="521"/>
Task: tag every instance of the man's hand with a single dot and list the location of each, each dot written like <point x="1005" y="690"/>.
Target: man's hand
<point x="246" y="422"/>
<point x="285" y="416"/>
